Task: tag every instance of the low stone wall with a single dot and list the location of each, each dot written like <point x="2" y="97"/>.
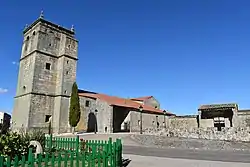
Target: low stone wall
<point x="226" y="134"/>
<point x="182" y="122"/>
<point x="185" y="143"/>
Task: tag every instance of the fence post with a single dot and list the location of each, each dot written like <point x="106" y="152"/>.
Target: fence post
<point x="30" y="155"/>
<point x="115" y="155"/>
<point x="1" y="161"/>
<point x="77" y="143"/>
<point x="110" y="144"/>
<point x="106" y="159"/>
<point x="120" y="151"/>
<point x="117" y="152"/>
<point x="110" y="151"/>
<point x="50" y="141"/>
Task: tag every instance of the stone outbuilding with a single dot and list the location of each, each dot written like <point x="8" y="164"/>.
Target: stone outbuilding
<point x="105" y="114"/>
<point x="217" y="115"/>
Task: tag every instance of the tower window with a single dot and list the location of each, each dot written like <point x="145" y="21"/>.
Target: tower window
<point x="34" y="33"/>
<point x="24" y="87"/>
<point x="65" y="91"/>
<point x="67" y="62"/>
<point x="48" y="66"/>
<point x="67" y="72"/>
<point x="47" y="117"/>
<point x="87" y="103"/>
<point x="28" y="38"/>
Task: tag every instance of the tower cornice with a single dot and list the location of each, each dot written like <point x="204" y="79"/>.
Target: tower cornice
<point x="42" y="20"/>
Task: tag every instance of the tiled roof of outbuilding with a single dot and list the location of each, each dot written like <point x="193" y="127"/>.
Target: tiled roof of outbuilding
<point x="122" y="102"/>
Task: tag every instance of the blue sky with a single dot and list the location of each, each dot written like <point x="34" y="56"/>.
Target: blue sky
<point x="185" y="53"/>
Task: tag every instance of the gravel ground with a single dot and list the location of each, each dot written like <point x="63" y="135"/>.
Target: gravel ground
<point x="184" y="143"/>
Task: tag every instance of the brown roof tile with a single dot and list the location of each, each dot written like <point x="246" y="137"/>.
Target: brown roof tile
<point x="142" y="98"/>
<point x="122" y="102"/>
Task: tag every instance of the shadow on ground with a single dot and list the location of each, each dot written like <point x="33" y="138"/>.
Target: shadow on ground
<point x="125" y="162"/>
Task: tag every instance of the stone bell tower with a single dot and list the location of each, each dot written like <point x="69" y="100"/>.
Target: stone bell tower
<point x="46" y="74"/>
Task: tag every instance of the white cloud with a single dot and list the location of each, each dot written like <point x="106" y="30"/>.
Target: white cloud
<point x="2" y="90"/>
<point x="15" y="63"/>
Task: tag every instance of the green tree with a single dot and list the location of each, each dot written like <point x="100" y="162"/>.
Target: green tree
<point x="74" y="110"/>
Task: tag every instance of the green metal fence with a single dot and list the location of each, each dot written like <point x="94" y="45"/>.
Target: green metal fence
<point x="74" y="153"/>
<point x="62" y="143"/>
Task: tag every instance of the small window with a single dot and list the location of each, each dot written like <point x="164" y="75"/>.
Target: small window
<point x="27" y="38"/>
<point x="68" y="46"/>
<point x="24" y="87"/>
<point x="47" y="117"/>
<point x="67" y="62"/>
<point x="87" y="103"/>
<point x="65" y="91"/>
<point x="156" y="107"/>
<point x="26" y="47"/>
<point x="67" y="72"/>
<point x="48" y="66"/>
<point x="34" y="33"/>
<point x="50" y="44"/>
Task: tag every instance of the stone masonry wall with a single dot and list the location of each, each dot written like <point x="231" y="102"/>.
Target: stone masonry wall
<point x="226" y="134"/>
<point x="25" y="76"/>
<point x="44" y="81"/>
<point x="104" y="115"/>
<point x="40" y="106"/>
<point x="187" y="127"/>
<point x="148" y="121"/>
<point x="182" y="122"/>
<point x="242" y="119"/>
<point x="152" y="102"/>
<point x="20" y="115"/>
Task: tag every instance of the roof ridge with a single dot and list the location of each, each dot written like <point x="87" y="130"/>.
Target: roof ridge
<point x="123" y="102"/>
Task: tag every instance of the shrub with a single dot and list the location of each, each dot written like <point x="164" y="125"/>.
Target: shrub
<point x="13" y="143"/>
<point x="37" y="135"/>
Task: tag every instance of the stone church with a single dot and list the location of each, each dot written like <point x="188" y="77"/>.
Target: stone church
<point x="46" y="74"/>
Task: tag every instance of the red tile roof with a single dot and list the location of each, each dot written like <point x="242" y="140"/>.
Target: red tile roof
<point x="122" y="102"/>
<point x="142" y="98"/>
